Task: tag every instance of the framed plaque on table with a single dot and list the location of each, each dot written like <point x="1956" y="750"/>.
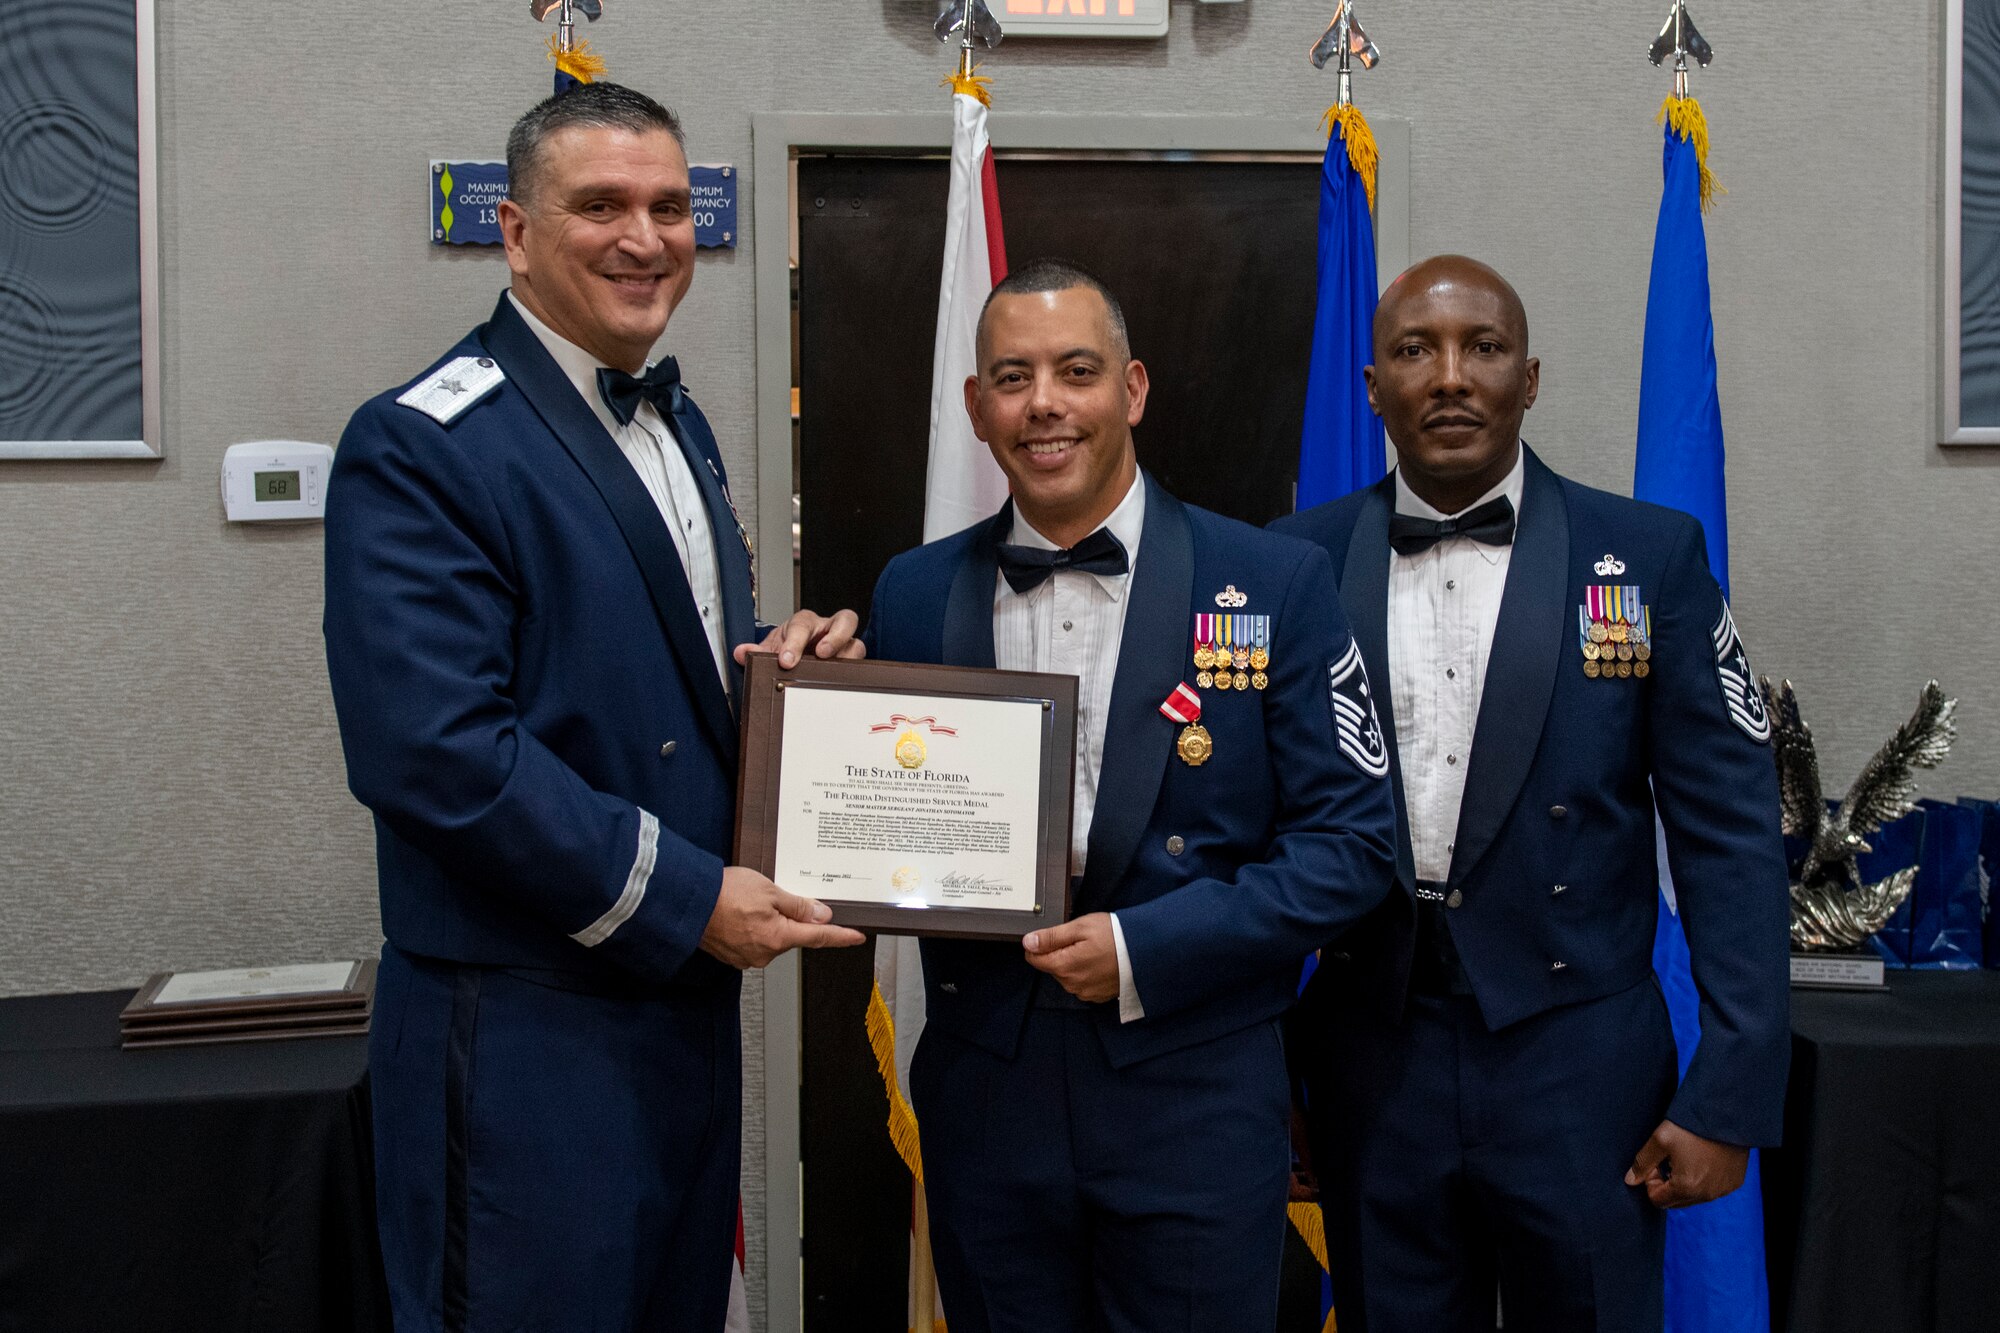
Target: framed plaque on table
<point x="912" y="800"/>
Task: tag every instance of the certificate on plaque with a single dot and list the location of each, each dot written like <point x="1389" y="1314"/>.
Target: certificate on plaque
<point x="912" y="800"/>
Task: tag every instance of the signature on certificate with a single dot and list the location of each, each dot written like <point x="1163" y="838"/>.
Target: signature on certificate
<point x="965" y="883"/>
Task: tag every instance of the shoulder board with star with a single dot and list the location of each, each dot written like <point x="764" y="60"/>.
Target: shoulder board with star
<point x="453" y="387"/>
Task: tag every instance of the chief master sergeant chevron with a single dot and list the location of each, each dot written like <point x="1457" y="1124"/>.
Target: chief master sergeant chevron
<point x="538" y="599"/>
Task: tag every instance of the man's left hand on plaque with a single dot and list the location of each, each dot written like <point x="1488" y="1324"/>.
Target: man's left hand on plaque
<point x="825" y="637"/>
<point x="755" y="921"/>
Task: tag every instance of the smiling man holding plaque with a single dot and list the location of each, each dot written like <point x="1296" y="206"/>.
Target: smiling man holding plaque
<point x="537" y="603"/>
<point x="1104" y="1104"/>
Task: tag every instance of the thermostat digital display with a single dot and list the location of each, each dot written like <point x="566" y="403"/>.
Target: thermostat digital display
<point x="272" y="479"/>
<point x="266" y="487"/>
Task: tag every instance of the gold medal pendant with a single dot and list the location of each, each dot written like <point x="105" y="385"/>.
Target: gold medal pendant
<point x="1643" y="651"/>
<point x="1620" y="632"/>
<point x="1259" y="659"/>
<point x="1592" y="668"/>
<point x="1195" y="745"/>
<point x="1642" y="669"/>
<point x="1590" y="652"/>
<point x="1240" y="658"/>
<point x="1259" y="680"/>
<point x="1224" y="681"/>
<point x="1204" y="680"/>
<point x="1204" y="658"/>
<point x="1624" y="652"/>
<point x="1599" y="631"/>
<point x="1242" y="680"/>
<point x="1624" y="670"/>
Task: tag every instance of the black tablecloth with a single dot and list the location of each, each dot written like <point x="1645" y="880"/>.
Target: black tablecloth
<point x="212" y="1188"/>
<point x="1882" y="1210"/>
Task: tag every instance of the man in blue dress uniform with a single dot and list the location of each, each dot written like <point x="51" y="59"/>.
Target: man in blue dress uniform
<point x="1104" y="1109"/>
<point x="1490" y="1073"/>
<point x="538" y="598"/>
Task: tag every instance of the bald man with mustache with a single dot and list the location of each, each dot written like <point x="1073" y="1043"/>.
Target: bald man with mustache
<point x="1494" y="1102"/>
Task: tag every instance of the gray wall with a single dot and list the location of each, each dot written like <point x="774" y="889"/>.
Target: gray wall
<point x="169" y="772"/>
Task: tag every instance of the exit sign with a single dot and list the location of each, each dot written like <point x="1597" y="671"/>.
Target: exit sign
<point x="1081" y="18"/>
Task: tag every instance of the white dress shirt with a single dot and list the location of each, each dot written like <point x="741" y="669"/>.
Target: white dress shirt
<point x="1072" y="625"/>
<point x="1443" y="606"/>
<point x="663" y="468"/>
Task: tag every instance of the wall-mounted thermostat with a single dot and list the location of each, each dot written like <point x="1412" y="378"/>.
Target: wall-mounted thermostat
<point x="271" y="479"/>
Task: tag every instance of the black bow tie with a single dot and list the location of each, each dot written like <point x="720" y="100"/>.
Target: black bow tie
<point x="1028" y="567"/>
<point x="622" y="393"/>
<point x="1491" y="523"/>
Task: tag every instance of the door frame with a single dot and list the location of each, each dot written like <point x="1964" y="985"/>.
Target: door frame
<point x="777" y="138"/>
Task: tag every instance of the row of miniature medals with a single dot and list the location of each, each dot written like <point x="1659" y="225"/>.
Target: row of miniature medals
<point x="1616" y="632"/>
<point x="1232" y="652"/>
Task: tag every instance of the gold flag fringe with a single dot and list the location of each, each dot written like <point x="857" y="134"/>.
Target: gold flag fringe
<point x="1361" y="151"/>
<point x="579" y="62"/>
<point x="1310" y="1223"/>
<point x="902" y="1117"/>
<point x="970" y="85"/>
<point x="1311" y="1228"/>
<point x="1684" y="115"/>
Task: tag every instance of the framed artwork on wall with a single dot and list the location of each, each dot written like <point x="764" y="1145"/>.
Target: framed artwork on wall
<point x="79" y="262"/>
<point x="1969" y="215"/>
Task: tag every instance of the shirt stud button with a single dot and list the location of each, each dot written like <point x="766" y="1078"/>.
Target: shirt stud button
<point x="1451" y="585"/>
<point x="1451" y="759"/>
<point x="1454" y="898"/>
<point x="1451" y="673"/>
<point x="1175" y="846"/>
<point x="667" y="750"/>
<point x="1069" y="625"/>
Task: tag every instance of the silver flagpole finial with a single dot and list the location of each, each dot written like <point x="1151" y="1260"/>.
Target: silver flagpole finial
<point x="1345" y="38"/>
<point x="1680" y="39"/>
<point x="566" y="12"/>
<point x="971" y="21"/>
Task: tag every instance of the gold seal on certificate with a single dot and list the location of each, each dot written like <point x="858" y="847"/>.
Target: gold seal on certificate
<point x="915" y="800"/>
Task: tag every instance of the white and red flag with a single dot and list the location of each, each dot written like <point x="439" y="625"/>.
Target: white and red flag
<point x="964" y="486"/>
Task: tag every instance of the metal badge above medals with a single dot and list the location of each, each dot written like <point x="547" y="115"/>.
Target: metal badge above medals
<point x="1614" y="627"/>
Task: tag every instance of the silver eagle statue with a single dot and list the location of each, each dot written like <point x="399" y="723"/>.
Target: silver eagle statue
<point x="1831" y="908"/>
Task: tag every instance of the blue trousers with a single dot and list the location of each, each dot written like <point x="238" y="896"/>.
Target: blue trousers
<point x="1455" y="1162"/>
<point x="550" y="1158"/>
<point x="1067" y="1196"/>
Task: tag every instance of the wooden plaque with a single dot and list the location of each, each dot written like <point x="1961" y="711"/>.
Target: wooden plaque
<point x="912" y="800"/>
